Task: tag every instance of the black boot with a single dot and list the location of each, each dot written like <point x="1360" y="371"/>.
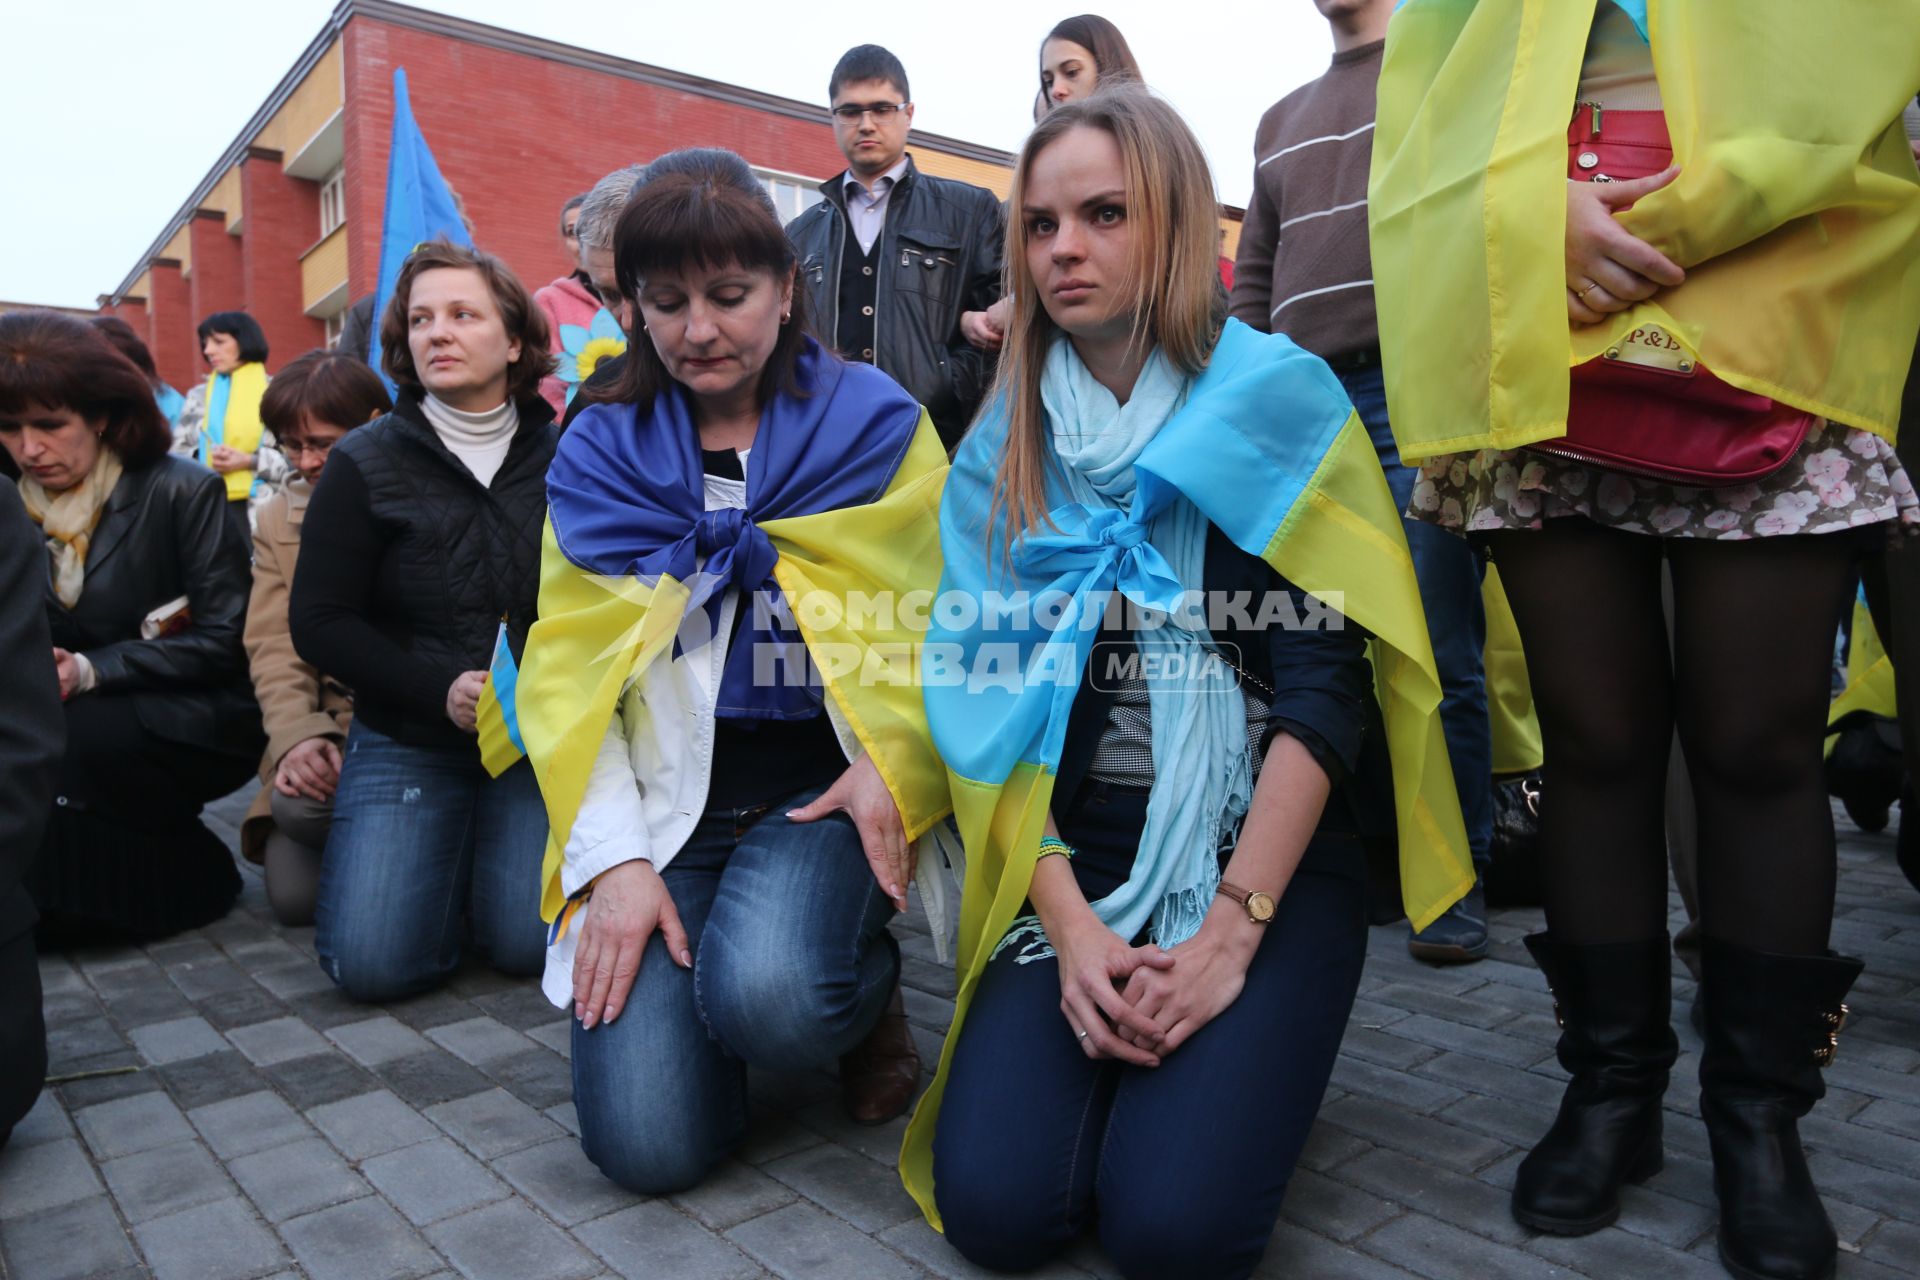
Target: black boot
<point x="1613" y="1002"/>
<point x="1773" y="1022"/>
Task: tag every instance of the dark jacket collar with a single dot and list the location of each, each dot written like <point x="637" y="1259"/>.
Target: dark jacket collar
<point x="835" y="188"/>
<point x="116" y="517"/>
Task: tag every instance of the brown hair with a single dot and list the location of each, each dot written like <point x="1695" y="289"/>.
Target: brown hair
<point x="127" y="343"/>
<point x="1112" y="59"/>
<point x="54" y="361"/>
<point x="323" y="386"/>
<point x="1173" y="273"/>
<point x="701" y="207"/>
<point x="525" y="323"/>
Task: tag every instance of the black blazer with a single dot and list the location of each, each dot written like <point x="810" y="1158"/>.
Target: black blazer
<point x="165" y="533"/>
<point x="33" y="733"/>
<point x="1323" y="687"/>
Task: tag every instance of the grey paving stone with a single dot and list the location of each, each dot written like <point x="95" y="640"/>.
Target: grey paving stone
<point x="206" y="978"/>
<point x="214" y="1078"/>
<point x="289" y="981"/>
<point x="1520" y="1123"/>
<point x="80" y="1039"/>
<point x="377" y="1040"/>
<point x="371" y="1124"/>
<point x="234" y="1009"/>
<point x="127" y="1125"/>
<point x="165" y="1180"/>
<point x="328" y="1007"/>
<point x="298" y="1178"/>
<point x="1433" y="1248"/>
<point x="1477" y="1075"/>
<point x="1429" y="1189"/>
<point x="1417" y="1135"/>
<point x="1894" y="1244"/>
<point x="280" y="1040"/>
<point x="1295" y="1253"/>
<point x="732" y="1194"/>
<point x="652" y="1242"/>
<point x="45" y="1121"/>
<point x="801" y="1242"/>
<point x="867" y="1194"/>
<point x="557" y="1036"/>
<point x="433" y="1180"/>
<point x="1494" y="1046"/>
<point x="878" y="1142"/>
<point x="1402" y="1088"/>
<point x="110" y="1076"/>
<point x="78" y="1241"/>
<point x="320" y="1078"/>
<point x="566" y="1116"/>
<point x="1329" y="1147"/>
<point x="1385" y="1048"/>
<point x="519" y="1007"/>
<point x="1334" y="1208"/>
<point x="244" y="1125"/>
<point x="140" y="1008"/>
<point x="360" y="1240"/>
<point x="493" y="1123"/>
<point x="220" y="1241"/>
<point x="44" y="1176"/>
<point x="1887" y="1192"/>
<point x="1621" y="1253"/>
<point x="1896" y="1117"/>
<point x="508" y="1241"/>
<point x="433" y="1009"/>
<point x="772" y="1134"/>
<point x="424" y="1079"/>
<point x="922" y="1244"/>
<point x="558" y="1177"/>
<point x="480" y="1040"/>
<point x="538" y="1077"/>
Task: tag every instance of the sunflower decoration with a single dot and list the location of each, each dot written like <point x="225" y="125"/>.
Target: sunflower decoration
<point x="582" y="349"/>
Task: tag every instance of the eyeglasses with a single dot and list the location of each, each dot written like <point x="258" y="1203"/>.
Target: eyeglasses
<point x="882" y="112"/>
<point x="297" y="446"/>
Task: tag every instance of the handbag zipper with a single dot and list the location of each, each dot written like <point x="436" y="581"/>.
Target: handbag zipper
<point x="1576" y="454"/>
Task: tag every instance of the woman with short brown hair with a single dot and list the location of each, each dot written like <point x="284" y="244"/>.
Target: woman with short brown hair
<point x="146" y="588"/>
<point x="421" y="548"/>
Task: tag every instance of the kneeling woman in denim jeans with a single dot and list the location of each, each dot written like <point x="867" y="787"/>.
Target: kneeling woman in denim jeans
<point x="1166" y="896"/>
<point x="421" y="540"/>
<point x="720" y="877"/>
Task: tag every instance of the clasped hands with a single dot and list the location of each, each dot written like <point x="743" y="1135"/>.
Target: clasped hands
<point x="1139" y="1004"/>
<point x="1608" y="267"/>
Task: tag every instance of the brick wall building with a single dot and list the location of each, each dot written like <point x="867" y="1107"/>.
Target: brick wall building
<point x="286" y="224"/>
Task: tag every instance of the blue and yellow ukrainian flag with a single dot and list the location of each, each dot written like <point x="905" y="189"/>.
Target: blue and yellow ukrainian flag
<point x="1269" y="448"/>
<point x="497" y="716"/>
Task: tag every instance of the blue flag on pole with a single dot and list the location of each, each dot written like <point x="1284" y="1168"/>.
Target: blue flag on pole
<point x="420" y="207"/>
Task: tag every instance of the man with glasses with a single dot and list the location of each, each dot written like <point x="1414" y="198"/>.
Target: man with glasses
<point x="893" y="257"/>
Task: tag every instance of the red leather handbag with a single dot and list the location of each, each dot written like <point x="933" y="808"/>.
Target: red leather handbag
<point x="1646" y="407"/>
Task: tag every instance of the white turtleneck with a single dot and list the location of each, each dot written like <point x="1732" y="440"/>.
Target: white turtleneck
<point x="480" y="440"/>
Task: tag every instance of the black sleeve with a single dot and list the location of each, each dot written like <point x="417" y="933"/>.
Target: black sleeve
<point x="972" y="367"/>
<point x="341" y="550"/>
<point x="33" y="732"/>
<point x="217" y="581"/>
<point x="1322" y="682"/>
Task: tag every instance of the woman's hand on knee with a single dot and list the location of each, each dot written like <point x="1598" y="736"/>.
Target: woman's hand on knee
<point x="629" y="902"/>
<point x="1095" y="962"/>
<point x="862" y="795"/>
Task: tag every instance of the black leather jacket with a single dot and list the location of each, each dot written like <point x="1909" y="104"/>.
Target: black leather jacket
<point x="408" y="565"/>
<point x="163" y="534"/>
<point x="940" y="256"/>
<point x="33" y="733"/>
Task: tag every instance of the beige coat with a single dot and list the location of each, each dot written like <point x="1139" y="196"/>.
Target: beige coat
<point x="296" y="702"/>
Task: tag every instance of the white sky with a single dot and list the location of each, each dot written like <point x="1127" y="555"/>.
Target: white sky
<point x="113" y="110"/>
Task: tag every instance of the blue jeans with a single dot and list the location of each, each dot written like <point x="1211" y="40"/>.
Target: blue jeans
<point x="1182" y="1166"/>
<point x="423" y="842"/>
<point x="793" y="966"/>
<point x="1450" y="573"/>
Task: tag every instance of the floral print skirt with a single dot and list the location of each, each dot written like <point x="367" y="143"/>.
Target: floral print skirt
<point x="1842" y="478"/>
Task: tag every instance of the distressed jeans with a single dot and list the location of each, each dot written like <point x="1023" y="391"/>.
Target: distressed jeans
<point x="426" y="852"/>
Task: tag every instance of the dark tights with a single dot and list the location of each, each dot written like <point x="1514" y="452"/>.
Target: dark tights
<point x="1747" y="687"/>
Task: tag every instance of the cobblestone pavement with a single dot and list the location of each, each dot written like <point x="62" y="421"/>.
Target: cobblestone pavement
<point x="274" y="1129"/>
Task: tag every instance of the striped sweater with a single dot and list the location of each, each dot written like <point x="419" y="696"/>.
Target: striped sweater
<point x="1303" y="268"/>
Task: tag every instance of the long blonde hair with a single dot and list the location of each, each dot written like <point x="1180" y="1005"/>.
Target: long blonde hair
<point x="1173" y="273"/>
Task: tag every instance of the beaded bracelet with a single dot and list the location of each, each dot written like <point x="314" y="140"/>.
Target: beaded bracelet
<point x="1053" y="844"/>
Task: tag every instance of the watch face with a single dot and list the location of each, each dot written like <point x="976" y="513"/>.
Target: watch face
<point x="1260" y="907"/>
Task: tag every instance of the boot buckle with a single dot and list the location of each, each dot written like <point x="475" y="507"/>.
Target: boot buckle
<point x="1559" y="1019"/>
<point x="1835" y="1022"/>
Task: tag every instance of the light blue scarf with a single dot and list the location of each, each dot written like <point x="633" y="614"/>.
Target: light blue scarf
<point x="1202" y="778"/>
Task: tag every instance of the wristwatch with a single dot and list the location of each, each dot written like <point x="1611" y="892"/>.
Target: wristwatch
<point x="1259" y="905"/>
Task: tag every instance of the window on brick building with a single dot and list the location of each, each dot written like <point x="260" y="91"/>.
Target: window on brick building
<point x="335" y="323"/>
<point x="792" y="195"/>
<point x="333" y="201"/>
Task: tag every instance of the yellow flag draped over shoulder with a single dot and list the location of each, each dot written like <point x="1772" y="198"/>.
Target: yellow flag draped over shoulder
<point x="1268" y="447"/>
<point x="1796" y="213"/>
<point x="597" y="634"/>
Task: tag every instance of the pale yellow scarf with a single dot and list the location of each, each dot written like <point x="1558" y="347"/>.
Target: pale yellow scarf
<point x="68" y="518"/>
